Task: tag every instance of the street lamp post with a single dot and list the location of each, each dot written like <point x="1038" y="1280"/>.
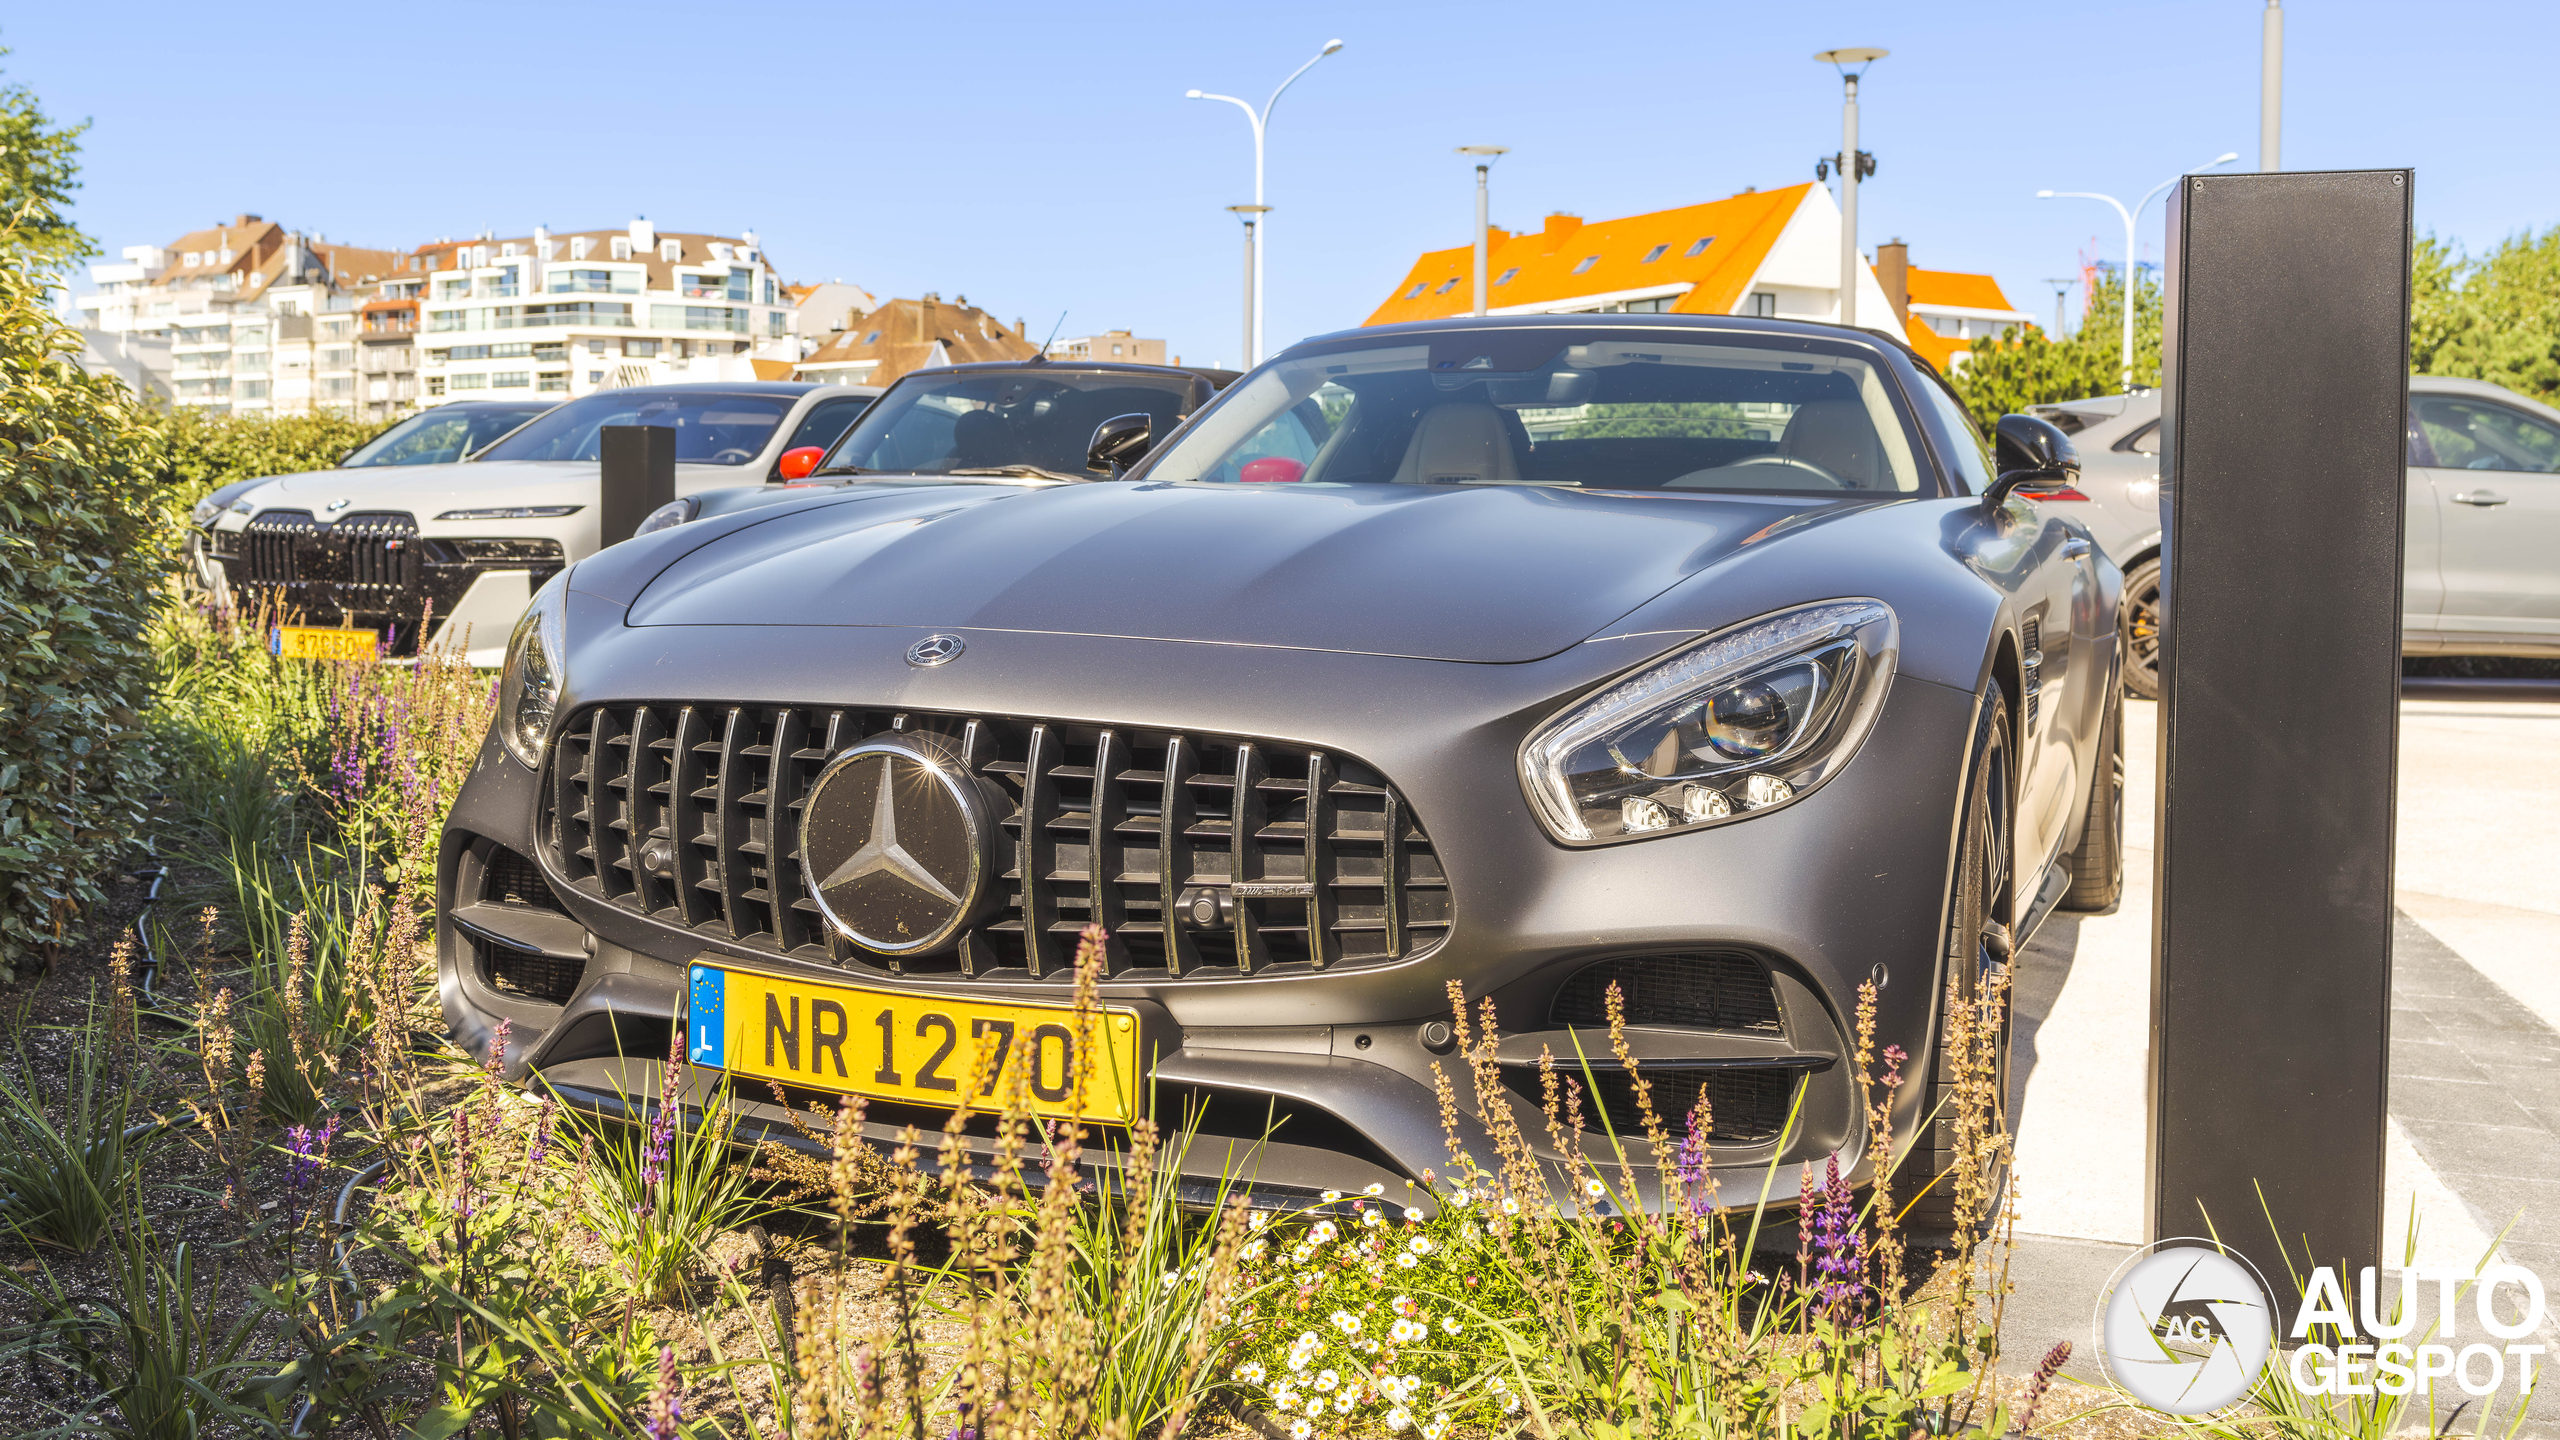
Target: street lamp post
<point x="1486" y="154"/>
<point x="1843" y="60"/>
<point x="1261" y="121"/>
<point x="1251" y="215"/>
<point x="2129" y="216"/>
<point x="2270" y="85"/>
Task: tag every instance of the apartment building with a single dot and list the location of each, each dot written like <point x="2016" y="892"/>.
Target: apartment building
<point x="255" y="317"/>
<point x="1110" y="345"/>
<point x="573" y="313"/>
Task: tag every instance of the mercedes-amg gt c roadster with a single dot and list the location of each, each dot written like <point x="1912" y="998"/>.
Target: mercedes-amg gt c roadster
<point x="1709" y="657"/>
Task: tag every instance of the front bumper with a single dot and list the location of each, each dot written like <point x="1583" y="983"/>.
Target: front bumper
<point x="1845" y="886"/>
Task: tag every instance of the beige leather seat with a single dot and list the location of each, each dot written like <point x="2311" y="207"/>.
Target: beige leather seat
<point x="1838" y="436"/>
<point x="1460" y="443"/>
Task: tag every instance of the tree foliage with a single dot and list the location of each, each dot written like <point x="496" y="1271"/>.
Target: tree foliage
<point x="2027" y="367"/>
<point x="39" y="168"/>
<point x="83" y="549"/>
<point x="208" y="450"/>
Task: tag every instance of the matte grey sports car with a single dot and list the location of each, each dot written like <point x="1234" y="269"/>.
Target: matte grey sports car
<point x="1701" y="656"/>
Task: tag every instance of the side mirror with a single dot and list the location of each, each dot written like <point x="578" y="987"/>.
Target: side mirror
<point x="2033" y="452"/>
<point x="797" y="462"/>
<point x="1119" y="442"/>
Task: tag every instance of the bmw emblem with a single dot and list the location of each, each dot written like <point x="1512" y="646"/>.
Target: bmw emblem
<point x="341" y="503"/>
<point x="935" y="650"/>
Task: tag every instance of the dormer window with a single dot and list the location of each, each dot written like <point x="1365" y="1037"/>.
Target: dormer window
<point x="1409" y="294"/>
<point x="1586" y="263"/>
<point x="507" y="251"/>
<point x="577" y="247"/>
<point x="1446" y="286"/>
<point x="621" y="247"/>
<point x="1653" y="254"/>
<point x="671" y="251"/>
<point x="1698" y="249"/>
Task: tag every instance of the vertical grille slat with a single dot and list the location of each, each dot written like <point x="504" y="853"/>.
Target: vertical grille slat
<point x="1112" y="826"/>
<point x="1037" y="850"/>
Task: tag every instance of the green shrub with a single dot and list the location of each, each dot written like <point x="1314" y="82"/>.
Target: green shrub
<point x="83" y="548"/>
<point x="208" y="450"/>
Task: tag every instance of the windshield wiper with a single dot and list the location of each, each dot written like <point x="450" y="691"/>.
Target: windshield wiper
<point x="1032" y="472"/>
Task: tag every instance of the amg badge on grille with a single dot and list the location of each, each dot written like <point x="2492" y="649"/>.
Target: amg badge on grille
<point x="896" y="842"/>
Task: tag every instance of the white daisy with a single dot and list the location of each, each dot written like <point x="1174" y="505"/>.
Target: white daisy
<point x="1346" y="1322"/>
<point x="1373" y="1217"/>
<point x="1406" y="1262"/>
<point x="1419" y="1245"/>
<point x="1346" y="1401"/>
<point x="1332" y="1195"/>
<point x="1300" y="1430"/>
<point x="1326" y="1380"/>
<point x="1251" y="1372"/>
<point x="1413" y="1215"/>
<point x="1374" y="1188"/>
<point x="1399" y="1418"/>
<point x="1323" y="1233"/>
<point x="1594" y="1189"/>
<point x="1435" y="1427"/>
<point x="1449" y="1323"/>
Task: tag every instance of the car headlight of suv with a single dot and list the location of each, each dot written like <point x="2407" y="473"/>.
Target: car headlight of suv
<point x="529" y="691"/>
<point x="1749" y="720"/>
<point x="205" y="513"/>
<point x="667" y="517"/>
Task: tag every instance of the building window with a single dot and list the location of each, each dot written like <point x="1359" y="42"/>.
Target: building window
<point x="552" y="383"/>
<point x="871" y="339"/>
<point x="1115" y="349"/>
<point x="671" y="251"/>
<point x="339" y="358"/>
<point x="252" y="390"/>
<point x="621" y="247"/>
<point x="554" y="351"/>
<point x="773" y="324"/>
<point x="1653" y="254"/>
<point x="577" y="247"/>
<point x="470" y="382"/>
<point x="1447" y="285"/>
<point x="1586" y="263"/>
<point x="698" y="317"/>
<point x="461" y="352"/>
<point x="339" y="387"/>
<point x="435" y="385"/>
<point x="1409" y="294"/>
<point x="595" y="347"/>
<point x="1506" y="275"/>
<point x="1762" y="304"/>
<point x="640" y="349"/>
<point x="1694" y="251"/>
<point x="510" y="380"/>
<point x="582" y="312"/>
<point x="511" y="351"/>
<point x="595" y="377"/>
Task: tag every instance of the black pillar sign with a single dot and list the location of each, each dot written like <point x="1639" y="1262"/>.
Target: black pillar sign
<point x="639" y="476"/>
<point x="2285" y="360"/>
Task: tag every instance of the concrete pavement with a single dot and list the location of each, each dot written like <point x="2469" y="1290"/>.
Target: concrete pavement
<point x="2474" y="1137"/>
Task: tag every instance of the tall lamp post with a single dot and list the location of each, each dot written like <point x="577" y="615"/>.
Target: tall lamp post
<point x="1251" y="215"/>
<point x="1485" y="156"/>
<point x="2129" y="217"/>
<point x="2270" y="85"/>
<point x="1850" y="165"/>
<point x="1261" y="121"/>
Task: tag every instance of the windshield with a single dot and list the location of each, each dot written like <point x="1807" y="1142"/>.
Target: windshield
<point x="936" y="423"/>
<point x="440" y="436"/>
<point x="1530" y="407"/>
<point x="711" y="428"/>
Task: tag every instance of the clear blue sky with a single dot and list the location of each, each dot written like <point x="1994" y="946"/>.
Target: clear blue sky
<point x="1041" y="158"/>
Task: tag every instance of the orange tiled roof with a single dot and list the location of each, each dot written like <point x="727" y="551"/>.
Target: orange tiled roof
<point x="1955" y="287"/>
<point x="1743" y="228"/>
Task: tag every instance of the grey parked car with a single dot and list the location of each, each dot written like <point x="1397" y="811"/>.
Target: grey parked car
<point x="2482" y="574"/>
<point x="1702" y="657"/>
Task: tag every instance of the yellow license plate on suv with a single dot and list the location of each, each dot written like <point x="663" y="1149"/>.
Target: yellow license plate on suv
<point x="897" y="1045"/>
<point x="312" y="642"/>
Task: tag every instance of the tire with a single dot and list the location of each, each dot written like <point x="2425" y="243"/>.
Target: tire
<point x="2097" y="862"/>
<point x="1976" y="947"/>
<point x="2138" y="630"/>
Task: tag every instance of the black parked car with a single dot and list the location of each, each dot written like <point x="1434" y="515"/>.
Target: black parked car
<point x="1704" y="656"/>
<point x="1009" y="421"/>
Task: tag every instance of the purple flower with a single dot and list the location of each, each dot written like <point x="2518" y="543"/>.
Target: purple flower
<point x="1693" y="1170"/>
<point x="1840" y="1247"/>
<point x="310" y="1151"/>
<point x="541" y="1135"/>
<point x="462" y="1161"/>
<point x="666" y="1400"/>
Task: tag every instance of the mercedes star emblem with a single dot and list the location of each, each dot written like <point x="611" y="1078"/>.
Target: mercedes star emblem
<point x="936" y="650"/>
<point x="895" y="844"/>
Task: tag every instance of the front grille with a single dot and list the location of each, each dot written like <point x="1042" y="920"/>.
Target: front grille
<point x="1745" y="1106"/>
<point x="1715" y="989"/>
<point x="369" y="569"/>
<point x="513" y="879"/>
<point x="529" y="973"/>
<point x="1108" y="827"/>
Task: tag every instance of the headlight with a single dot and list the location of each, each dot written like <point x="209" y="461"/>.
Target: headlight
<point x="1750" y="720"/>
<point x="529" y="691"/>
<point x="244" y="506"/>
<point x="513" y="512"/>
<point x="666" y="517"/>
<point x="205" y="512"/>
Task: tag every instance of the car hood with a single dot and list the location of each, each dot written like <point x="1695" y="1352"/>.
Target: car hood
<point x="1489" y="574"/>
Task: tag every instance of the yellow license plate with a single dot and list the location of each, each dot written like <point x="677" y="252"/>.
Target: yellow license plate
<point x="312" y="642"/>
<point x="896" y="1045"/>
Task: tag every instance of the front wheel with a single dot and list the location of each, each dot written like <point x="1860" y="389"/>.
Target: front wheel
<point x="2138" y="630"/>
<point x="1964" y="1162"/>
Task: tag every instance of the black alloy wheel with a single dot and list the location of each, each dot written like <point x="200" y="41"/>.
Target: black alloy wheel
<point x="2097" y="862"/>
<point x="1977" y="950"/>
<point x="2138" y="630"/>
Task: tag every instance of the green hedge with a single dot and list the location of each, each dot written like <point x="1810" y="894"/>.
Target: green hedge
<point x="207" y="450"/>
<point x="84" y="494"/>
